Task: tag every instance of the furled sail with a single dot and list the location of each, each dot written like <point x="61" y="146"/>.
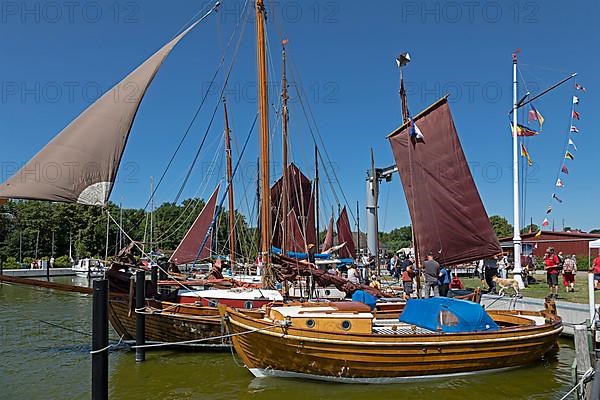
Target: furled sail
<point x="328" y="242"/>
<point x="188" y="248"/>
<point x="80" y="164"/>
<point x="295" y="239"/>
<point x="447" y="213"/>
<point x="345" y="236"/>
<point x="300" y="194"/>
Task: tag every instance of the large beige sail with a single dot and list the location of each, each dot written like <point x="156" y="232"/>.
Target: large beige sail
<point x="80" y="164"/>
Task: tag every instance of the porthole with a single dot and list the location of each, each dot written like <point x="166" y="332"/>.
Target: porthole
<point x="327" y="292"/>
<point x="346" y="325"/>
<point x="248" y="305"/>
<point x="310" y="323"/>
<point x="213" y="302"/>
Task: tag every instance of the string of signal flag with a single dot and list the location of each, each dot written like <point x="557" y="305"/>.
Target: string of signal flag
<point x="571" y="147"/>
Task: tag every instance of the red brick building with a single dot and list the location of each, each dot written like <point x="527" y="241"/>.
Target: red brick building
<point x="567" y="242"/>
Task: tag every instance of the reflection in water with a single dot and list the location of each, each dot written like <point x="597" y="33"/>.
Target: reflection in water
<point x="39" y="361"/>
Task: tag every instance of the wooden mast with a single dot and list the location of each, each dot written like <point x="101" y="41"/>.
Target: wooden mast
<point x="317" y="196"/>
<point x="375" y="188"/>
<point x="265" y="209"/>
<point x="230" y="189"/>
<point x="284" y="151"/>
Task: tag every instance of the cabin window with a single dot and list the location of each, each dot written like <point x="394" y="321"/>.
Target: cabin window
<point x="346" y="324"/>
<point x="327" y="292"/>
<point x="310" y="323"/>
<point x="213" y="302"/>
<point x="248" y="305"/>
<point x="447" y="318"/>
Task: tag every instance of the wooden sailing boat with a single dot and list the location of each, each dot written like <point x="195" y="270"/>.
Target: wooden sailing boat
<point x="433" y="337"/>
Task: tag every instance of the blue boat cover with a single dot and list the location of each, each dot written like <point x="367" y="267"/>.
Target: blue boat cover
<point x="301" y="256"/>
<point x="363" y="297"/>
<point x="447" y="315"/>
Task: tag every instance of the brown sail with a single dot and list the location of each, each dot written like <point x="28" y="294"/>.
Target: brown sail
<point x="80" y="164"/>
<point x="188" y="248"/>
<point x="448" y="216"/>
<point x="295" y="238"/>
<point x="300" y="194"/>
<point x="345" y="235"/>
<point x="328" y="242"/>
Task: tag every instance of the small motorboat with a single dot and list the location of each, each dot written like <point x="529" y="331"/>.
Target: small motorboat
<point x="89" y="267"/>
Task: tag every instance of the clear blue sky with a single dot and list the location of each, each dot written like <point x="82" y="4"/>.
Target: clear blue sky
<point x="55" y="58"/>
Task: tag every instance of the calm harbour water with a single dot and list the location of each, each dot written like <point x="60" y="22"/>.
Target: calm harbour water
<point x="41" y="361"/>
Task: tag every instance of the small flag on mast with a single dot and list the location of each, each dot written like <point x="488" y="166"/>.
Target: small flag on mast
<point x="524" y="153"/>
<point x="575" y="100"/>
<point x="569" y="156"/>
<point x="415" y="132"/>
<point x="564" y="170"/>
<point x="576" y="115"/>
<point x="559" y="183"/>
<point x="546" y="222"/>
<point x="538" y="234"/>
<point x="549" y="209"/>
<point x="535" y="115"/>
<point x="574" y="129"/>
<point x="525" y="131"/>
<point x="555" y="197"/>
<point x="572" y="143"/>
<point x="579" y="87"/>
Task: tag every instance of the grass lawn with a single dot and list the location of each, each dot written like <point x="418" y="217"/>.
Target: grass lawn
<point x="540" y="289"/>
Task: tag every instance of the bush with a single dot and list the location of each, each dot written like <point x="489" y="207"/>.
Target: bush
<point x="11" y="263"/>
<point x="62" y="262"/>
<point x="27" y="262"/>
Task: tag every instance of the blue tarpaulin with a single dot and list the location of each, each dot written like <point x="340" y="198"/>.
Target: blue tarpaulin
<point x="365" y="298"/>
<point x="447" y="315"/>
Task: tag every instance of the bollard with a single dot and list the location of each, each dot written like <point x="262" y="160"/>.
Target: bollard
<point x="100" y="340"/>
<point x="582" y="350"/>
<point x="140" y="320"/>
<point x="48" y="271"/>
<point x="154" y="278"/>
<point x="1" y="266"/>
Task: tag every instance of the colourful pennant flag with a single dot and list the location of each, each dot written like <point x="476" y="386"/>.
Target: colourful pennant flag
<point x="564" y="170"/>
<point x="579" y="87"/>
<point x="574" y="129"/>
<point x="524" y="153"/>
<point x="284" y="42"/>
<point x="576" y="115"/>
<point x="535" y="115"/>
<point x="572" y="143"/>
<point x="545" y="223"/>
<point x="525" y="131"/>
<point x="555" y="197"/>
<point x="575" y="100"/>
<point x="415" y="132"/>
<point x="539" y="233"/>
<point x="569" y="156"/>
<point x="559" y="183"/>
<point x="549" y="209"/>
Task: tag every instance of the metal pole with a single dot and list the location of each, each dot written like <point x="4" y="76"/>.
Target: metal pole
<point x="1" y="266"/>
<point x="100" y="340"/>
<point x="516" y="230"/>
<point x="140" y="320"/>
<point x="357" y="226"/>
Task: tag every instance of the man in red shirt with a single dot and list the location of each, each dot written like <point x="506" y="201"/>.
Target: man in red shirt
<point x="552" y="263"/>
<point x="596" y="271"/>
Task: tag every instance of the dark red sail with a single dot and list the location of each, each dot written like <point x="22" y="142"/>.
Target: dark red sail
<point x="345" y="235"/>
<point x="328" y="242"/>
<point x="295" y="238"/>
<point x="300" y="192"/>
<point x="187" y="251"/>
<point x="448" y="216"/>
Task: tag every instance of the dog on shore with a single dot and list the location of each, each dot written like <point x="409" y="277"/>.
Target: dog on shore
<point x="505" y="284"/>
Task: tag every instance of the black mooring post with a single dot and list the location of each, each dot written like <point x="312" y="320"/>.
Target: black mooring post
<point x="1" y="266"/>
<point x="100" y="340"/>
<point x="154" y="278"/>
<point x="48" y="270"/>
<point x="140" y="320"/>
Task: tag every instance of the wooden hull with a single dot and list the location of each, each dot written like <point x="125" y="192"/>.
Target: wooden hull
<point x="176" y="323"/>
<point x="379" y="358"/>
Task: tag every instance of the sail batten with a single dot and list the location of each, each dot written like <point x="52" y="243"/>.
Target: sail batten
<point x="448" y="216"/>
<point x="188" y="248"/>
<point x="84" y="158"/>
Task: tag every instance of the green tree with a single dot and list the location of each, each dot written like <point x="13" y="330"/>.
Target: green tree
<point x="530" y="228"/>
<point x="501" y="226"/>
